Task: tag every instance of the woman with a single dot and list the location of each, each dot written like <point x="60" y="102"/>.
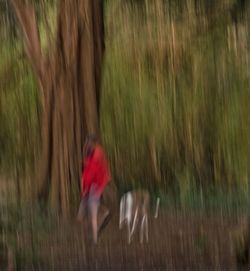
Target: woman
<point x="95" y="176"/>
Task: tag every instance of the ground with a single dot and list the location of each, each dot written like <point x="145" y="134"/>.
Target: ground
<point x="177" y="241"/>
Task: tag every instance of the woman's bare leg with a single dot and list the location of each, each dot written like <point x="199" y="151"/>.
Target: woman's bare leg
<point x="82" y="210"/>
<point x="93" y="214"/>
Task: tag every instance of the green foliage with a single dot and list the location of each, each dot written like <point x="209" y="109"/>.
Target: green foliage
<point x="176" y="84"/>
<point x="174" y="115"/>
<point x="18" y="113"/>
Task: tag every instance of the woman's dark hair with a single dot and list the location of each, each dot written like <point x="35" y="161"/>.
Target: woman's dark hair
<point x="88" y="146"/>
<point x="91" y="138"/>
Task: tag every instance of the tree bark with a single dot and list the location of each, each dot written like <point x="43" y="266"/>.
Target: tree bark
<point x="69" y="79"/>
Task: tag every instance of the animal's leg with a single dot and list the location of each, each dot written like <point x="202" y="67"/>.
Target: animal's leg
<point x="134" y="222"/>
<point x="122" y="212"/>
<point x="142" y="228"/>
<point x="146" y="227"/>
<point x="157" y="207"/>
<point x="128" y="213"/>
<point x="129" y="233"/>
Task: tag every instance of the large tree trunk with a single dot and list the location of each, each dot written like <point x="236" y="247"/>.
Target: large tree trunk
<point x="69" y="79"/>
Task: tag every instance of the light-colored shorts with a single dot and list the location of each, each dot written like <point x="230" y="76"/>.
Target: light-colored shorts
<point x="88" y="202"/>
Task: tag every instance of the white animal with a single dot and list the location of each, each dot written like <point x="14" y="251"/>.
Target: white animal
<point x="134" y="206"/>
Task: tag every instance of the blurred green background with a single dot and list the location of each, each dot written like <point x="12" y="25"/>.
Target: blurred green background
<point x="175" y="99"/>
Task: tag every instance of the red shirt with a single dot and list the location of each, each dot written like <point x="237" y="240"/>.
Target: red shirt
<point x="95" y="172"/>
